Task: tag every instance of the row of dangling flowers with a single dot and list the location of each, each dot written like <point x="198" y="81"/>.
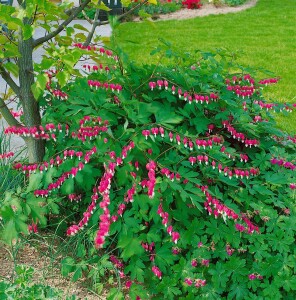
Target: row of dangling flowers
<point x="96" y="68"/>
<point x="249" y="90"/>
<point x="239" y="135"/>
<point x="37" y="132"/>
<point x="97" y="84"/>
<point x="202" y="99"/>
<point x="239" y="90"/>
<point x="6" y="155"/>
<point x="200" y="143"/>
<point x="100" y="50"/>
<point x="215" y="207"/>
<point x="230" y="172"/>
<point x="60" y="181"/>
<point x="283" y="163"/>
<point x="268" y="106"/>
<point x="248" y="78"/>
<point x="74" y="171"/>
<point x="48" y="131"/>
<point x="238" y="80"/>
<point x="238" y="86"/>
<point x="243" y="91"/>
<point x="203" y="142"/>
<point x="44" y="166"/>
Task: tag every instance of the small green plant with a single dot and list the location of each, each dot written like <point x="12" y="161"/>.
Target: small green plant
<point x="90" y="13"/>
<point x="218" y="3"/>
<point x="234" y="2"/>
<point x="19" y="213"/>
<point x="23" y="287"/>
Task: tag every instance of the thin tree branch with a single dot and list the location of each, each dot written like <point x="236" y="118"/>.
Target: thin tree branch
<point x="70" y="11"/>
<point x="5" y="112"/>
<point x="51" y="35"/>
<point x="132" y="9"/>
<point x="85" y="15"/>
<point x="95" y="23"/>
<point x="35" y="14"/>
<point x="9" y="37"/>
<point x="87" y="18"/>
<point x="5" y="75"/>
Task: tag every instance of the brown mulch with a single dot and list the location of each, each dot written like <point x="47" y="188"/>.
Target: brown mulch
<point x="46" y="272"/>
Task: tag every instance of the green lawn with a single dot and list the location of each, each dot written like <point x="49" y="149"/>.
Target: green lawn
<point x="265" y="35"/>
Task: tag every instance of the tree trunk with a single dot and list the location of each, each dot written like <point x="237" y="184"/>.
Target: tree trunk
<point x="36" y="148"/>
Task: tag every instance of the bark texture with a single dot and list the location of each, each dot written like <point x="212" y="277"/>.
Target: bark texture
<point x="36" y="149"/>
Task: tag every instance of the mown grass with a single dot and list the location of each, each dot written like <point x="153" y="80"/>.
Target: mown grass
<point x="265" y="37"/>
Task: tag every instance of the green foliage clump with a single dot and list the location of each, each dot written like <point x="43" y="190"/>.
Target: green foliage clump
<point x="162" y="8"/>
<point x="219" y="3"/>
<point x="234" y="2"/>
<point x="175" y="177"/>
<point x="90" y="12"/>
<point x="23" y="287"/>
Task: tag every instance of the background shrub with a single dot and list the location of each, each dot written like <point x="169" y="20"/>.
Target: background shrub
<point x="192" y="4"/>
<point x="234" y="2"/>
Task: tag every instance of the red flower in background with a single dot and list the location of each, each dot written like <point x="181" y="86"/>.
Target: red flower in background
<point x="192" y="4"/>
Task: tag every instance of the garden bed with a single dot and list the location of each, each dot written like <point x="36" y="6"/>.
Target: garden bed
<point x="207" y="9"/>
<point x="167" y="10"/>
